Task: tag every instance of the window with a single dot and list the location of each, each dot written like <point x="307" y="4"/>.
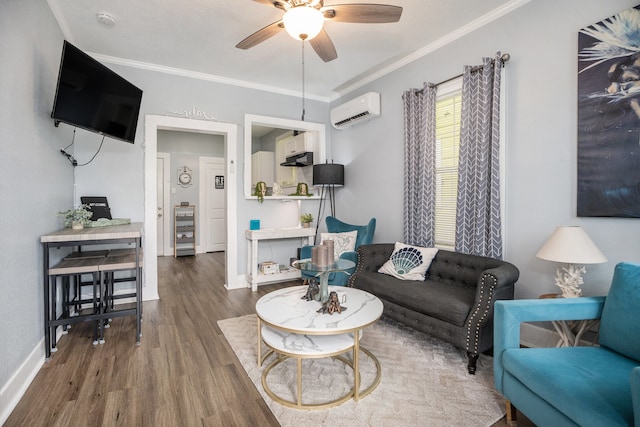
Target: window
<point x="448" y="111"/>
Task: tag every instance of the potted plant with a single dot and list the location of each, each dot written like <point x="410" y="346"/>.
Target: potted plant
<point x="302" y="189"/>
<point x="76" y="218"/>
<point x="306" y="219"/>
<point x="260" y="190"/>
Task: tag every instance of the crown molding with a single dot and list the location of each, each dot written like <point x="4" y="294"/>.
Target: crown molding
<point x="202" y="76"/>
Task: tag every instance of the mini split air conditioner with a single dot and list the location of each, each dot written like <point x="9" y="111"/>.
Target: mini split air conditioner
<point x="357" y="110"/>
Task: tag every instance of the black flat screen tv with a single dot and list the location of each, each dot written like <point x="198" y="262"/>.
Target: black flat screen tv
<point x="91" y="96"/>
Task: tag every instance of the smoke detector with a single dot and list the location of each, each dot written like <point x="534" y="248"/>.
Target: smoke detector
<point x="106" y="19"/>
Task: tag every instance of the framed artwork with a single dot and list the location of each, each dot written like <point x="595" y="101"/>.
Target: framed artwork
<point x="609" y="117"/>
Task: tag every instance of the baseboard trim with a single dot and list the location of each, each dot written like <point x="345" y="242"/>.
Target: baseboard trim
<point x="17" y="385"/>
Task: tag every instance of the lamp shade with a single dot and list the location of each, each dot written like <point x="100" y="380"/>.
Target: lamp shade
<point x="328" y="174"/>
<point x="571" y="245"/>
<point x="303" y="22"/>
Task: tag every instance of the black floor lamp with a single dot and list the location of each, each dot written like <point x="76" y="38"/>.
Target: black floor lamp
<point x="329" y="176"/>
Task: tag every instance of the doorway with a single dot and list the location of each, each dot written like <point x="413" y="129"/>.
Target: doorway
<point x="229" y="131"/>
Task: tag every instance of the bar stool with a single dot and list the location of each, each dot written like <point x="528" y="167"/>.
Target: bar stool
<point x="72" y="268"/>
<point x="121" y="260"/>
<point x="77" y="282"/>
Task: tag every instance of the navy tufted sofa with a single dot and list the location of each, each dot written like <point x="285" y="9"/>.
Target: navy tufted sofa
<point x="453" y="303"/>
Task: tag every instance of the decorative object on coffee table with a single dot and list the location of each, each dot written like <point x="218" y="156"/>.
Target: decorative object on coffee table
<point x="330" y="250"/>
<point x="333" y="305"/>
<point x="322" y="272"/>
<point x="312" y="290"/>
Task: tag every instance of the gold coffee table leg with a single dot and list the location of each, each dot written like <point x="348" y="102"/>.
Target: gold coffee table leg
<point x="297" y="404"/>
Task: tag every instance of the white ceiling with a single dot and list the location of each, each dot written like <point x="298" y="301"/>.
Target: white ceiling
<point x="199" y="36"/>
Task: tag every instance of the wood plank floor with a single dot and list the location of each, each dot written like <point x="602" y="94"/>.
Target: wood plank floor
<point x="183" y="374"/>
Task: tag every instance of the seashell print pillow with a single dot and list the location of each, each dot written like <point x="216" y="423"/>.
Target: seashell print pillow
<point x="408" y="262"/>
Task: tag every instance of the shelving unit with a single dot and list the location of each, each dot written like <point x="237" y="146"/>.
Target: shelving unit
<point x="254" y="276"/>
<point x="184" y="225"/>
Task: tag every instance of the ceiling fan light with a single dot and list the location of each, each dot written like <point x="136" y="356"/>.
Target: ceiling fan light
<point x="303" y="22"/>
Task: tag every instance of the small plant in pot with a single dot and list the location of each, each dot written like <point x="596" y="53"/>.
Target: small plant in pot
<point x="306" y="219"/>
<point x="260" y="190"/>
<point x="76" y="218"/>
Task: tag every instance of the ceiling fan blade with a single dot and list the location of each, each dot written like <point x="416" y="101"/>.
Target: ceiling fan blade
<point x="261" y="35"/>
<point x="279" y="4"/>
<point x="323" y="46"/>
<point x="362" y="13"/>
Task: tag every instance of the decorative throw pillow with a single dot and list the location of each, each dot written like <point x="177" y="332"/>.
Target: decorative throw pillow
<point x="408" y="262"/>
<point x="342" y="242"/>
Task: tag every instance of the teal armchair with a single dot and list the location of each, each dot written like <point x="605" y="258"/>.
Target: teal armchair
<point x="574" y="386"/>
<point x="364" y="237"/>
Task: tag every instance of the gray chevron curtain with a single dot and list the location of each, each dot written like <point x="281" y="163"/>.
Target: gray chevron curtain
<point x="420" y="165"/>
<point x="478" y="222"/>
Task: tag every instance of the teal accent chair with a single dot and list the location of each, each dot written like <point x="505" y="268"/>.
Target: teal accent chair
<point x="364" y="237"/>
<point x="574" y="386"/>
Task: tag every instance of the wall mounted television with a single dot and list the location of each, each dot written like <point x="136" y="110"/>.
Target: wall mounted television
<point x="91" y="96"/>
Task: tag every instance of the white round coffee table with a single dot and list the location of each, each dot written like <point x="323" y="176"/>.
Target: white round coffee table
<point x="292" y="327"/>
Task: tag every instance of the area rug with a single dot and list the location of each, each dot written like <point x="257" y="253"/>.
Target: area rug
<point x="424" y="381"/>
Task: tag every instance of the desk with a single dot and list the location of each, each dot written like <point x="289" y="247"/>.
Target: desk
<point x="255" y="236"/>
<point x="108" y="235"/>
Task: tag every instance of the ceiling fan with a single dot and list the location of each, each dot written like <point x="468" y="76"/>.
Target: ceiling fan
<point x="303" y="20"/>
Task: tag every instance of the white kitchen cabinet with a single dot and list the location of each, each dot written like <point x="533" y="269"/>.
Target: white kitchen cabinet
<point x="263" y="168"/>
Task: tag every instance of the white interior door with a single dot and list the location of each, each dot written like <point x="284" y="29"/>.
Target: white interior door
<point x="213" y="219"/>
<point x="162" y="188"/>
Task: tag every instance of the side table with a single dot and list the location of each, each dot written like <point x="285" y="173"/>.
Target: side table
<point x="570" y="331"/>
<point x="254" y="277"/>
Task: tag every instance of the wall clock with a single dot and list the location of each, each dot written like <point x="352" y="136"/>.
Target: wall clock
<point x="184" y="176"/>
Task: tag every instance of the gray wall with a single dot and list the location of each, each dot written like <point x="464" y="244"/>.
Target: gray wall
<point x="541" y="135"/>
<point x="36" y="181"/>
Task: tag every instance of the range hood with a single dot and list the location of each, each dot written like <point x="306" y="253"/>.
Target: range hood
<point x="300" y="159"/>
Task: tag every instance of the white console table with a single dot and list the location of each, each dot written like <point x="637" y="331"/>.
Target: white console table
<point x="254" y="277"/>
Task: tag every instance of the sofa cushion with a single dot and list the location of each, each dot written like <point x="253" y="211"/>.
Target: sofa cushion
<point x="342" y="242"/>
<point x="408" y="262"/>
<point x="620" y="323"/>
<point x="449" y="303"/>
<point x="590" y="385"/>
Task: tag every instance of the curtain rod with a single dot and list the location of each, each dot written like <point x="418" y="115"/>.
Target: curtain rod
<point x="504" y="58"/>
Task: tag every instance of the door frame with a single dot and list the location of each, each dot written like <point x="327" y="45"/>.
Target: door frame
<point x="202" y="160"/>
<point x="166" y="208"/>
<point x="229" y="131"/>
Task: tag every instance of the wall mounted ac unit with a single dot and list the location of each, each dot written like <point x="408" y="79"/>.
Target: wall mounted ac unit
<point x="357" y="110"/>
